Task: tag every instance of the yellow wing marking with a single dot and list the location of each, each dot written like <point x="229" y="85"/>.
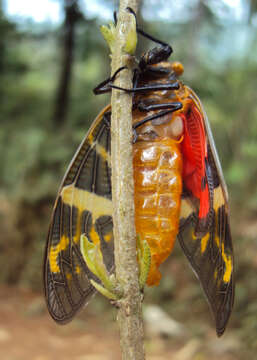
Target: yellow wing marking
<point x="218" y="202"/>
<point x="218" y="198"/>
<point x="108" y="237"/>
<point x="228" y="263"/>
<point x="194" y="237"/>
<point x="85" y="200"/>
<point x="68" y="276"/>
<point x="55" y="250"/>
<point x="204" y="242"/>
<point x="90" y="138"/>
<point x="185" y="209"/>
<point x="217" y="240"/>
<point x="94" y="236"/>
<point x="100" y="150"/>
<point x="82" y="200"/>
<point x="78" y="269"/>
<point x="103" y="153"/>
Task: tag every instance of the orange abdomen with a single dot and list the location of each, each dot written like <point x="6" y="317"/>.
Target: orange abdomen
<point x="158" y="187"/>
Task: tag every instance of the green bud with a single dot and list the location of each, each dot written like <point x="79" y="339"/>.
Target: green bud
<point x="109" y="34"/>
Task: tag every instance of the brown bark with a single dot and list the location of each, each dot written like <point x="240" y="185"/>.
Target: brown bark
<point x="130" y="312"/>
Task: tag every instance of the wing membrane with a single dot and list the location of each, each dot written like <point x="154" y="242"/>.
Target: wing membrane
<point x="210" y="255"/>
<point x="83" y="205"/>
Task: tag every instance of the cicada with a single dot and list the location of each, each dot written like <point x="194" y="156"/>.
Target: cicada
<point x="180" y="192"/>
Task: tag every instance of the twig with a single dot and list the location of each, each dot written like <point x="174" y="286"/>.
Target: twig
<point x="130" y="312"/>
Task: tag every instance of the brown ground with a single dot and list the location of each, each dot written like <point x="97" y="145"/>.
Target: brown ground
<point x="28" y="333"/>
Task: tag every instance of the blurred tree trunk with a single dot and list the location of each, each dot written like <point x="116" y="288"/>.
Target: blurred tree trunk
<point x="72" y="16"/>
<point x="1" y="38"/>
<point x="252" y="10"/>
<point x="4" y="28"/>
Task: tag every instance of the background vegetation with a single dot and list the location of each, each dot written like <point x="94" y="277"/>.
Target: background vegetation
<point x="47" y="72"/>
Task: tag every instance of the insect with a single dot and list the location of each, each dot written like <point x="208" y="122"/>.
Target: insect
<point x="179" y="192"/>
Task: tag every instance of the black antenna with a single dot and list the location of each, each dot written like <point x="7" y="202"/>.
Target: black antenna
<point x="141" y="32"/>
<point x="115" y="18"/>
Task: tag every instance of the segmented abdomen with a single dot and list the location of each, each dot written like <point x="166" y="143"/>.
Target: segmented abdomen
<point x="158" y="187"/>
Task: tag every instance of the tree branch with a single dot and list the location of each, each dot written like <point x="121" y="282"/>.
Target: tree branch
<point x="130" y="312"/>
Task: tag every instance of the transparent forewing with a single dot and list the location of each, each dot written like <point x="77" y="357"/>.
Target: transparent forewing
<point x="83" y="206"/>
<point x="211" y="255"/>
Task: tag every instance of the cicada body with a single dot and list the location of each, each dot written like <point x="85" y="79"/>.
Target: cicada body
<point x="179" y="192"/>
<point x="158" y="166"/>
<point x="158" y="189"/>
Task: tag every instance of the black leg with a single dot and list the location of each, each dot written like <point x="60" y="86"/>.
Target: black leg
<point x="104" y="86"/>
<point x="136" y="76"/>
<point x="146" y="107"/>
<point x="173" y="107"/>
<point x="115" y="18"/>
<point x="148" y="87"/>
<point x="156" y="54"/>
<point x="176" y="107"/>
<point x="150" y="37"/>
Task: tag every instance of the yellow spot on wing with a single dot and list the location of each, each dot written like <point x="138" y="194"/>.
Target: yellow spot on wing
<point x="68" y="276"/>
<point x="85" y="200"/>
<point x="94" y="236"/>
<point x="228" y="264"/>
<point x="204" y="241"/>
<point x="54" y="252"/>
<point x="64" y="242"/>
<point x="186" y="209"/>
<point x="103" y="153"/>
<point x="90" y="138"/>
<point x="108" y="236"/>
<point x="82" y="200"/>
<point x="217" y="240"/>
<point x="194" y="237"/>
<point x="218" y="201"/>
<point x="218" y="198"/>
<point x="100" y="149"/>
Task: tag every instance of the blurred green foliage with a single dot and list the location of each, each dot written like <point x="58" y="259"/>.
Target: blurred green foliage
<point x="219" y="53"/>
